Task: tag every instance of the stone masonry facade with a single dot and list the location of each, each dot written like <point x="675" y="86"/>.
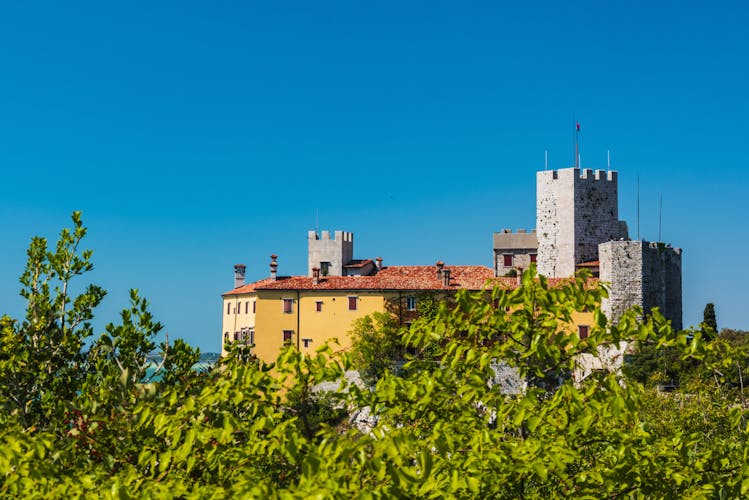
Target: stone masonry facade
<point x="575" y="212"/>
<point x="577" y="225"/>
<point x="329" y="254"/>
<point x="514" y="250"/>
<point x="642" y="273"/>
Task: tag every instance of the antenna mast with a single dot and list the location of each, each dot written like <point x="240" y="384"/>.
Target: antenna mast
<point x="608" y="159"/>
<point x="546" y="159"/>
<point x="660" y="216"/>
<point x="317" y="216"/>
<point x="638" y="207"/>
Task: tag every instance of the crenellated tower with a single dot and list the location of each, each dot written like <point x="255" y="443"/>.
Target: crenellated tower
<point x="575" y="212"/>
<point x="329" y="254"/>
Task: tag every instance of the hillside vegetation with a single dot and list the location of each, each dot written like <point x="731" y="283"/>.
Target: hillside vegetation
<point x="81" y="418"/>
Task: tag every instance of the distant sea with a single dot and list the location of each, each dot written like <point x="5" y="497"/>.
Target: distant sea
<point x="206" y="362"/>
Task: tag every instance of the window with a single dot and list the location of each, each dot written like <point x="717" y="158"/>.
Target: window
<point x="236" y="336"/>
<point x="226" y="337"/>
<point x="254" y="306"/>
<point x="251" y="339"/>
<point x="533" y="257"/>
<point x="247" y="307"/>
<point x="507" y="260"/>
<point x="287" y="334"/>
<point x="352" y="303"/>
<point x="318" y="306"/>
<point x="306" y="342"/>
<point x="582" y="331"/>
<point x="228" y="308"/>
<point x="324" y="268"/>
<point x="411" y="303"/>
<point x="288" y="307"/>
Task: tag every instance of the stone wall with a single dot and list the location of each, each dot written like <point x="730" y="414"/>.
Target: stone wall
<point x="644" y="274"/>
<point x="520" y="245"/>
<point x="338" y="251"/>
<point x="596" y="213"/>
<point x="575" y="212"/>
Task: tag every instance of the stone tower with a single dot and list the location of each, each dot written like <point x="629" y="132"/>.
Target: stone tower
<point x="329" y="254"/>
<point x="575" y="212"/>
<point x="642" y="273"/>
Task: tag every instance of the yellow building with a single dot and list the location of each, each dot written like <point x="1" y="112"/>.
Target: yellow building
<point x="307" y="311"/>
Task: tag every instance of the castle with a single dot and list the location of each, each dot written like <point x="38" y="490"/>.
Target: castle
<point x="577" y="227"/>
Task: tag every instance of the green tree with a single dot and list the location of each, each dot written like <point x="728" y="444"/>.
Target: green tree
<point x="41" y="358"/>
<point x="710" y="324"/>
<point x="376" y="346"/>
<point x="250" y="429"/>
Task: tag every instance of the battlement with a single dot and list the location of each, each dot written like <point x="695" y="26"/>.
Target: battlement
<point x="587" y="174"/>
<point x="340" y="236"/>
<point x="519" y="231"/>
<point x="662" y="247"/>
<point x="598" y="175"/>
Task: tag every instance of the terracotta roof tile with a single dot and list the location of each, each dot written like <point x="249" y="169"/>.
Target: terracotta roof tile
<point x="591" y="263"/>
<point x="359" y="263"/>
<point x="248" y="288"/>
<point x="396" y="278"/>
<point x="391" y="278"/>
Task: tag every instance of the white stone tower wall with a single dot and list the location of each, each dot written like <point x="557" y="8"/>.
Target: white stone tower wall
<point x="338" y="251"/>
<point x="621" y="271"/>
<point x="644" y="274"/>
<point x="575" y="212"/>
<point x="596" y="213"/>
<point x="555" y="222"/>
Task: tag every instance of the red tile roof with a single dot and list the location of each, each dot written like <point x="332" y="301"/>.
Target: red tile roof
<point x="395" y="278"/>
<point x="359" y="263"/>
<point x="248" y="288"/>
<point x="592" y="263"/>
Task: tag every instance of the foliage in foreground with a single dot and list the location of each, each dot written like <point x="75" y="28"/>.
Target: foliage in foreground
<point x="252" y="429"/>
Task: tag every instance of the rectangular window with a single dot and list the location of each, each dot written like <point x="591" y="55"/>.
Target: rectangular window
<point x="352" y="303"/>
<point x="228" y="308"/>
<point x="287" y="334"/>
<point x="507" y="260"/>
<point x="247" y="307"/>
<point x="252" y="336"/>
<point x="533" y="257"/>
<point x="306" y="342"/>
<point x="318" y="306"/>
<point x="254" y="306"/>
<point x="288" y="306"/>
<point x="324" y="268"/>
<point x="582" y="331"/>
<point x="411" y="303"/>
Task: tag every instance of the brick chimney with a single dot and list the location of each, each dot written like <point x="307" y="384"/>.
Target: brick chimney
<point x="378" y="261"/>
<point x="445" y="277"/>
<point x="440" y="266"/>
<point x="316" y="275"/>
<point x="239" y="273"/>
<point x="273" y="267"/>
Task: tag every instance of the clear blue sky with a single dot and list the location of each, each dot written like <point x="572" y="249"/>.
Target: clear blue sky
<point x="194" y="135"/>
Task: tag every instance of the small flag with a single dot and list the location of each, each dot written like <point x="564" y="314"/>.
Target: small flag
<point x="578" y="127"/>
